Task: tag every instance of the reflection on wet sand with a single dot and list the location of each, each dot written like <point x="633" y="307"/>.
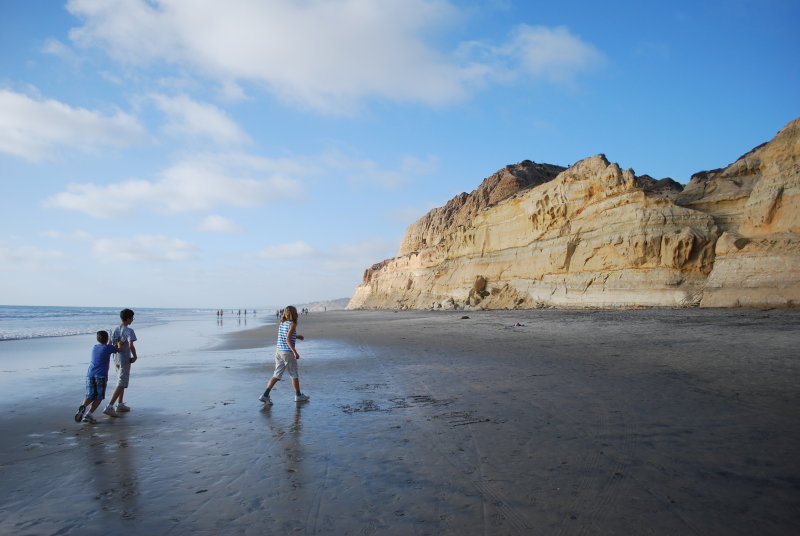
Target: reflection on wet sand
<point x="286" y="432"/>
<point x="110" y="469"/>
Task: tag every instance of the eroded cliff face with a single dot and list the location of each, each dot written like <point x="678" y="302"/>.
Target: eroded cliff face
<point x="755" y="202"/>
<point x="429" y="230"/>
<point x="594" y="235"/>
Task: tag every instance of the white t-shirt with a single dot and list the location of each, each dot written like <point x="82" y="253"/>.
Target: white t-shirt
<point x="126" y="335"/>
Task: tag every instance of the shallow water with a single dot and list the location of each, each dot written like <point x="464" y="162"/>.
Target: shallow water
<point x="32" y="322"/>
<point x="43" y="361"/>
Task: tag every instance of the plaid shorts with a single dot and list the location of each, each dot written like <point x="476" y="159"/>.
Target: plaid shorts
<point x="96" y="387"/>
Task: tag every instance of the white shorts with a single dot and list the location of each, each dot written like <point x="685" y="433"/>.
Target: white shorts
<point x="285" y="361"/>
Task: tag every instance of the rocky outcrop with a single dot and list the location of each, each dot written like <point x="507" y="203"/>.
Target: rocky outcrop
<point x="429" y="230"/>
<point x="594" y="235"/>
<point x="755" y="203"/>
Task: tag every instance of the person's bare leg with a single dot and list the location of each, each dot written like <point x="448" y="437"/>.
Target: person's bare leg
<point x="119" y="392"/>
<point x="270" y="384"/>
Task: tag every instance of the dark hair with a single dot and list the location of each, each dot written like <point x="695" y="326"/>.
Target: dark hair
<point x="125" y="314"/>
<point x="102" y="337"/>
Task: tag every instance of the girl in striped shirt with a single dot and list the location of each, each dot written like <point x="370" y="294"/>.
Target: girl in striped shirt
<point x="286" y="356"/>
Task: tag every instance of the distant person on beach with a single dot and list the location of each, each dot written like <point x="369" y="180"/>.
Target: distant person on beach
<point x="124" y="336"/>
<point x="286" y="356"/>
<point x="96" y="378"/>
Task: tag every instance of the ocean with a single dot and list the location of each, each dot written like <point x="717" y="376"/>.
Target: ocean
<point x="33" y="322"/>
<point x="46" y="346"/>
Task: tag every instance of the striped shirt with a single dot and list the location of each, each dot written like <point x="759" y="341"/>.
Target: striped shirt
<point x="283" y="329"/>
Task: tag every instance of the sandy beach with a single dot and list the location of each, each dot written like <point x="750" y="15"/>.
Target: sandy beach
<point x="664" y="422"/>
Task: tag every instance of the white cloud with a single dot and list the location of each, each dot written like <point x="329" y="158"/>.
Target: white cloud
<point x="200" y="182"/>
<point x="327" y="55"/>
<point x="323" y="54"/>
<point x="104" y="201"/>
<point x="218" y="224"/>
<point x="292" y="250"/>
<point x="28" y="257"/>
<point x="369" y="172"/>
<point x="359" y="255"/>
<point x="230" y="91"/>
<point x="59" y="49"/>
<point x="75" y="235"/>
<point x="143" y="248"/>
<point x="34" y="128"/>
<point x="189" y="118"/>
<point x="341" y="258"/>
<point x="554" y="53"/>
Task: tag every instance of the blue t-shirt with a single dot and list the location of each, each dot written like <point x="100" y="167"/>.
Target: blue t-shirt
<point x="101" y="354"/>
<point x="283" y="329"/>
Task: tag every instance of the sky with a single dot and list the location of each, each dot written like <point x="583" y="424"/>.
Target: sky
<point x="258" y="153"/>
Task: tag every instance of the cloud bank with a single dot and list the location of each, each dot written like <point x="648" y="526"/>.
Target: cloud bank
<point x="143" y="249"/>
<point x="196" y="183"/>
<point x="35" y="128"/>
<point x="326" y="55"/>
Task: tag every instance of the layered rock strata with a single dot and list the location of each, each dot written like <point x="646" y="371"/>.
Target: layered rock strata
<point x="594" y="235"/>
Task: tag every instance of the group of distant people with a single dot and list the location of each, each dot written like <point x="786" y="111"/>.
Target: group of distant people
<point x="220" y="312"/>
<point x="279" y="312"/>
<point x="124" y="354"/>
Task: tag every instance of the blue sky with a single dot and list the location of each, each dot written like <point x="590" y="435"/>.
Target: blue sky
<point x="246" y="153"/>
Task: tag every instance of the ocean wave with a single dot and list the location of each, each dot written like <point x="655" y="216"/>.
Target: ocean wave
<point x="33" y="322"/>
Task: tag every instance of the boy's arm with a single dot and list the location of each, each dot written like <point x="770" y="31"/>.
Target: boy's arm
<point x="133" y="352"/>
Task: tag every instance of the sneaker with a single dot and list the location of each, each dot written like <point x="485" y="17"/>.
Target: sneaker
<point x="79" y="414"/>
<point x="110" y="412"/>
<point x="89" y="419"/>
<point x="122" y="408"/>
<point x="301" y="398"/>
<point x="265" y="399"/>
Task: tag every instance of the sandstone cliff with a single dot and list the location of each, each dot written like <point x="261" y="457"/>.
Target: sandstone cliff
<point x="594" y="235"/>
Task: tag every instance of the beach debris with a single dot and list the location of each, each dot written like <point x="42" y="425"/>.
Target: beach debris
<point x="461" y="418"/>
<point x="362" y="406"/>
<point x="369" y="387"/>
<point x="470" y="422"/>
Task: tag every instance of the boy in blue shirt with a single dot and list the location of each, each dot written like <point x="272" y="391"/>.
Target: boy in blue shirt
<point x="96" y="378"/>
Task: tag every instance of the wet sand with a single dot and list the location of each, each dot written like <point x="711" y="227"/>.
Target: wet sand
<point x="575" y="422"/>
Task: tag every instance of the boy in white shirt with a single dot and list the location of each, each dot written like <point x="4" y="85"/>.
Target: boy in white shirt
<point x="124" y="336"/>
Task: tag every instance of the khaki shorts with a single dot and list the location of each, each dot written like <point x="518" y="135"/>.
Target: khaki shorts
<point x="123" y="366"/>
<point x="285" y="361"/>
